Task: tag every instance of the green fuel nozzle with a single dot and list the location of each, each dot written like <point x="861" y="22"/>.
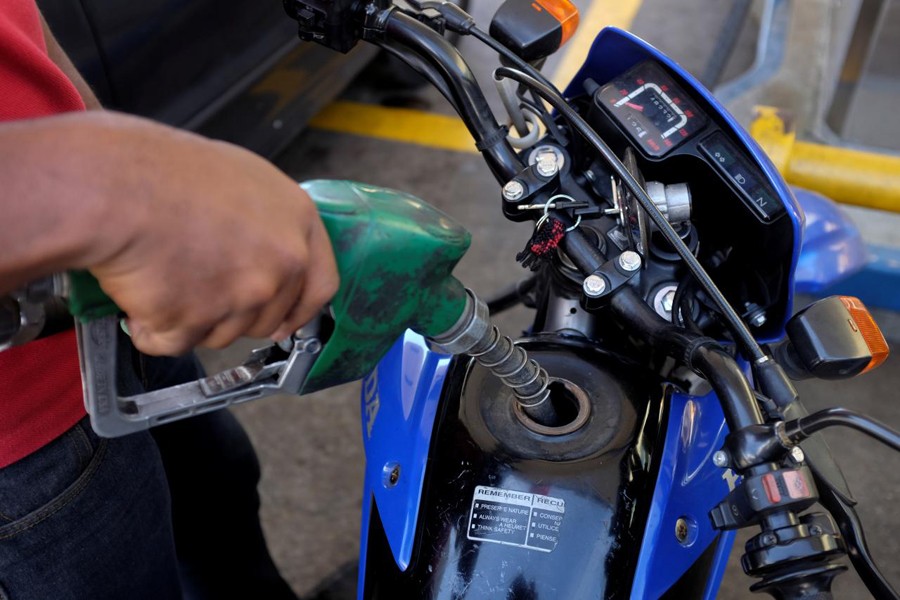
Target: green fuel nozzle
<point x="395" y="256"/>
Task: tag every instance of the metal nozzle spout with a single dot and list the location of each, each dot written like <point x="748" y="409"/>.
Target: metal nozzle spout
<point x="474" y="335"/>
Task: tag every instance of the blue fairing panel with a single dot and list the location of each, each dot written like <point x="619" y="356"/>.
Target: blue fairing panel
<point x="832" y="248"/>
<point x="688" y="487"/>
<point x="877" y="284"/>
<point x="399" y="402"/>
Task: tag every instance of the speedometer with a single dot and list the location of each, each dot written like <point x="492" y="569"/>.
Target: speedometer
<point x="651" y="108"/>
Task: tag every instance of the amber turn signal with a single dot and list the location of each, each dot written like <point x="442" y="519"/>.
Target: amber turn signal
<point x="832" y="338"/>
<point x="534" y="29"/>
<point x="861" y="320"/>
<point x="563" y="11"/>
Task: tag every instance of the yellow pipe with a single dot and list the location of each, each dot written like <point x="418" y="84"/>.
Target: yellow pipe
<point x="849" y="176"/>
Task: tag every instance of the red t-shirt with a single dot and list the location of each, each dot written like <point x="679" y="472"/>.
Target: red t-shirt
<point x="40" y="383"/>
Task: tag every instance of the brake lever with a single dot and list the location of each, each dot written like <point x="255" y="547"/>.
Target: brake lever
<point x="271" y="370"/>
<point x="849" y="523"/>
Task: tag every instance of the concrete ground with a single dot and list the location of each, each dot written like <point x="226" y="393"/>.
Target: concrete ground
<point x="310" y="447"/>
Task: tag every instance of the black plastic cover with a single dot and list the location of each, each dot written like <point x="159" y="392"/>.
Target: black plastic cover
<point x="532" y="33"/>
<point x="336" y="24"/>
<point x="825" y="342"/>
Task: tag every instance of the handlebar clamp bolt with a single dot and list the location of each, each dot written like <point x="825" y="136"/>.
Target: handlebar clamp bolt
<point x="513" y="190"/>
<point x="548" y="160"/>
<point x="594" y="286"/>
<point x="547" y="167"/>
<point x="797" y="455"/>
<point x="720" y="459"/>
<point x="630" y="260"/>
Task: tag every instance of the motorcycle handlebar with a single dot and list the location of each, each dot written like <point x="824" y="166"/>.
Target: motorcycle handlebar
<point x="700" y="353"/>
<point x="437" y="59"/>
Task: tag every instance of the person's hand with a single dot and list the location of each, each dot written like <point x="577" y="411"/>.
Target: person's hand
<point x="199" y="242"/>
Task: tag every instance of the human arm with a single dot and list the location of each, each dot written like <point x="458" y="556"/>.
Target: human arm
<point x="62" y="60"/>
<point x="198" y="241"/>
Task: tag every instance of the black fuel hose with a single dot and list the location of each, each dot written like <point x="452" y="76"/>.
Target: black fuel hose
<point x="512" y="295"/>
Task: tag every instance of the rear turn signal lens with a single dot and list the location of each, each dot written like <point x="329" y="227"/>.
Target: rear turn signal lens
<point x="563" y="11"/>
<point x="861" y="320"/>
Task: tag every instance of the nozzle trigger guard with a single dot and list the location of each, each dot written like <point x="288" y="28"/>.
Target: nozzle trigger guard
<point x="276" y="369"/>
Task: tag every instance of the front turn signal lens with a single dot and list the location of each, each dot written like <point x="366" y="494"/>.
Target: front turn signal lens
<point x="861" y="320"/>
<point x="534" y="29"/>
<point x="833" y="338"/>
<point x="563" y="11"/>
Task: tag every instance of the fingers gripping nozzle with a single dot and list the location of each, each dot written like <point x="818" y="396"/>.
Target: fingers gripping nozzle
<point x="474" y="335"/>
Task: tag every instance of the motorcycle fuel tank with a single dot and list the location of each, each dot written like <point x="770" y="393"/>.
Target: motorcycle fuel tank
<point x="514" y="509"/>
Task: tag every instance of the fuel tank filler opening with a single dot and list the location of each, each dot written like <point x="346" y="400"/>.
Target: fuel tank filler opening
<point x="571" y="409"/>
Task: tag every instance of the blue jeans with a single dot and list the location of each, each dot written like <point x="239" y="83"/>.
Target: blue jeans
<point x="167" y="515"/>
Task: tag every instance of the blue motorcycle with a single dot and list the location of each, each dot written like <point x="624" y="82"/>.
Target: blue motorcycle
<point x="664" y="258"/>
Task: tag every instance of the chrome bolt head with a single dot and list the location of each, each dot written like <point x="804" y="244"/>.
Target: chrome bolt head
<point x="513" y="190"/>
<point x="594" y="286"/>
<point x="546" y="166"/>
<point x="664" y="301"/>
<point x="630" y="260"/>
<point x="547" y="160"/>
<point x="797" y="454"/>
<point x="668" y="301"/>
<point x="720" y="459"/>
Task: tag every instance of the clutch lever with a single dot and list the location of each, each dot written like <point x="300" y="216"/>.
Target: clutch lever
<point x="276" y="369"/>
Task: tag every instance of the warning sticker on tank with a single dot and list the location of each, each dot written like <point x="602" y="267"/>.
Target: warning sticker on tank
<point x="516" y="518"/>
